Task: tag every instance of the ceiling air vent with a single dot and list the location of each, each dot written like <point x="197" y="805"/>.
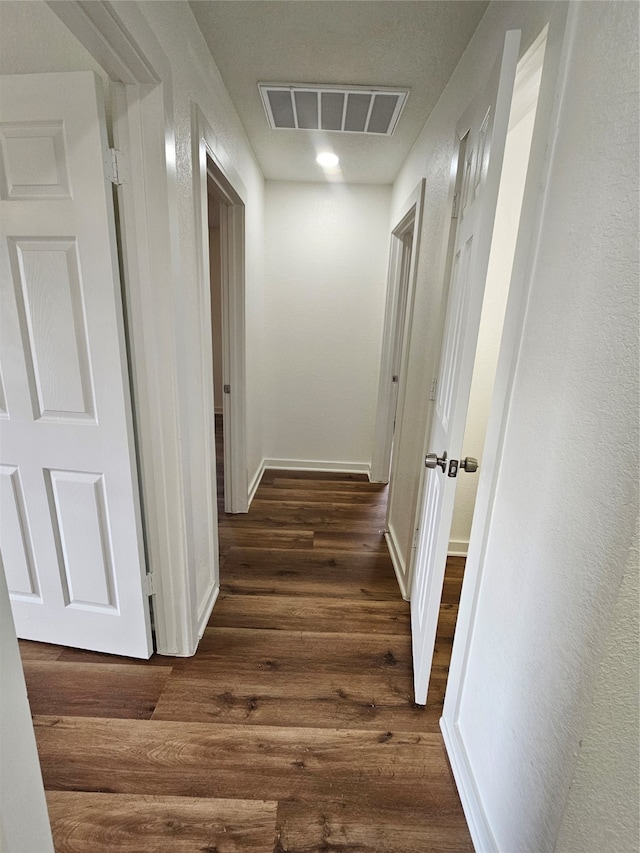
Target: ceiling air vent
<point x="353" y="109"/>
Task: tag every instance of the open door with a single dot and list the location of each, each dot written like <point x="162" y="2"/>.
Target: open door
<point x="70" y="526"/>
<point x="483" y="130"/>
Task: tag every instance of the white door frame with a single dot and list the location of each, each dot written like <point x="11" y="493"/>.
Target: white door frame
<point x="557" y="52"/>
<point x="208" y="165"/>
<point x="119" y="38"/>
<point x="397" y="324"/>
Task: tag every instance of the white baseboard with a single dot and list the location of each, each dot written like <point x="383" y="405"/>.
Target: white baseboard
<point x="255" y="482"/>
<point x="458" y="547"/>
<point x="316" y="465"/>
<point x="483" y="838"/>
<point x="398" y="563"/>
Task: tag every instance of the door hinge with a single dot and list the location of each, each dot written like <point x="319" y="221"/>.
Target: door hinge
<point x="148" y="584"/>
<point x="434" y="386"/>
<point x="226" y="389"/>
<point x="116" y="166"/>
<point x="414" y="545"/>
<point x="454" y="212"/>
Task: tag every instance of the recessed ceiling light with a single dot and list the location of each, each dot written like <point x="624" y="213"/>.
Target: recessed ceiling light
<point x="327" y="159"/>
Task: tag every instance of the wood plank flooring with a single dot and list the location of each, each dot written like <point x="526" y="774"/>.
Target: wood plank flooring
<point x="293" y="728"/>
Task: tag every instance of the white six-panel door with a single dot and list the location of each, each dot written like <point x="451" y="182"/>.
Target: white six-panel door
<point x="70" y="529"/>
<point x="485" y="126"/>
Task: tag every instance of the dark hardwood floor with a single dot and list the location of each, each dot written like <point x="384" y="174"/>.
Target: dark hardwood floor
<point x="292" y="728"/>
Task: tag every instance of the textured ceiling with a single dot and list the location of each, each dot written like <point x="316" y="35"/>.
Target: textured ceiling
<point x="379" y="43"/>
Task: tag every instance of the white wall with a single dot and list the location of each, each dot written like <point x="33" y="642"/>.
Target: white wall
<point x="597" y="818"/>
<point x="34" y="41"/>
<point x="326" y="266"/>
<point x="24" y="822"/>
<point x="567" y="494"/>
<point x="562" y="527"/>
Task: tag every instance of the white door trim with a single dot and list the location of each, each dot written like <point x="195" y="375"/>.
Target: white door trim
<point x="559" y="38"/>
<point x="207" y="153"/>
<point x="399" y="301"/>
<point x="119" y="38"/>
<point x="147" y="270"/>
<point x="114" y="45"/>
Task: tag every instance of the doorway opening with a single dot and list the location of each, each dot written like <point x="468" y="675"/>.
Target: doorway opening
<point x="224" y="226"/>
<point x="503" y="246"/>
<point x="403" y="265"/>
<point x="405" y="239"/>
<point x="214" y="205"/>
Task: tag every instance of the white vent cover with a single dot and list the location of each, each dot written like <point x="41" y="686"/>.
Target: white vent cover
<point x="353" y="109"/>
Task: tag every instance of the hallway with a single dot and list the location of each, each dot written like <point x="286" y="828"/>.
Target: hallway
<point x="294" y="721"/>
<point x="292" y="728"/>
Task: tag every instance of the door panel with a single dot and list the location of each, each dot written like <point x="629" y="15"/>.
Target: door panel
<point x="85" y="561"/>
<point x="70" y="527"/>
<point x="50" y="309"/>
<point x="484" y="127"/>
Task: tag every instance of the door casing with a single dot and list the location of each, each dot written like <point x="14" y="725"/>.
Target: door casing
<point x="208" y="168"/>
